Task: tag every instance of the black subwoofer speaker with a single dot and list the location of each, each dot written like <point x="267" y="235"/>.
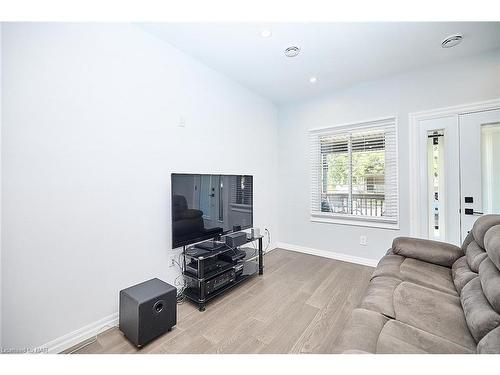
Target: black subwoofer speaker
<point x="147" y="310"/>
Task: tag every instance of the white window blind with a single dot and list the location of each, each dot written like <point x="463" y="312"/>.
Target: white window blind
<point x="354" y="171"/>
<point x="242" y="190"/>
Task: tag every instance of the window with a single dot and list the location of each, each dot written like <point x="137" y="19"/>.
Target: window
<point x="243" y="190"/>
<point x="354" y="173"/>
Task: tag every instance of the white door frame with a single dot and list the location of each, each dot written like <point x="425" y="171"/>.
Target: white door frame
<point x="414" y="159"/>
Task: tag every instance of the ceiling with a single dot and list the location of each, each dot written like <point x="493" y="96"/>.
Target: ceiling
<point x="338" y="54"/>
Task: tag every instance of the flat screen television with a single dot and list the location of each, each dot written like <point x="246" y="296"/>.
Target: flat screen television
<point x="205" y="206"/>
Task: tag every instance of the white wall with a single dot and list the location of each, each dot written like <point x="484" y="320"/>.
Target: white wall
<point x="1" y="273"/>
<point x="466" y="81"/>
<point x="90" y="137"/>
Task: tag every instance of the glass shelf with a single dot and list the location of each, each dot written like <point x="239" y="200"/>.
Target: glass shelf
<point x="252" y="255"/>
<point x="209" y="273"/>
<point x="206" y="254"/>
<point x="250" y="269"/>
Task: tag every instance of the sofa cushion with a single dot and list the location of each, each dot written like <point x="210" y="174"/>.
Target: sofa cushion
<point x="416" y="271"/>
<point x="492" y="244"/>
<point x="432" y="311"/>
<point x="481" y="226"/>
<point x="361" y="332"/>
<point x="480" y="316"/>
<point x="397" y="337"/>
<point x="389" y="266"/>
<point x="475" y="255"/>
<point x="441" y="253"/>
<point x="461" y="273"/>
<point x="379" y="295"/>
<point x="489" y="276"/>
<point x="490" y="344"/>
<point x="427" y="274"/>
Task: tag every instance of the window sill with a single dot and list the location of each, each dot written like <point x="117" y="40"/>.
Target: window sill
<point x="355" y="221"/>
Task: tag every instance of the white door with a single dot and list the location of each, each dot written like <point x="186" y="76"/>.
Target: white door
<point x="479" y="166"/>
<point x="207" y="199"/>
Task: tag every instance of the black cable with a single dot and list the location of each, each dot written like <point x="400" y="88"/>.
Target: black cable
<point x="181" y="285"/>
<point x="231" y="248"/>
<point x="268" y="240"/>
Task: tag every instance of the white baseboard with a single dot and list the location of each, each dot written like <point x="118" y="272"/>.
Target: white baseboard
<point x="328" y="254"/>
<point x="71" y="339"/>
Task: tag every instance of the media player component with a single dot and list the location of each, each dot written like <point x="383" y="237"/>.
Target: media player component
<point x="234" y="240"/>
<point x="233" y="256"/>
<point x="219" y="281"/>
<point x="211" y="245"/>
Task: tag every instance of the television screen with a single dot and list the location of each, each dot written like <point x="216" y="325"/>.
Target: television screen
<point x="205" y="206"/>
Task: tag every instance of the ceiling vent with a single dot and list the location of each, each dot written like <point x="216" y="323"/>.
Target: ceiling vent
<point x="292" y="51"/>
<point x="452" y="41"/>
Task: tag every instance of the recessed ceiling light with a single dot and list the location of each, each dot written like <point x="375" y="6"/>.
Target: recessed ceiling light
<point x="452" y="41"/>
<point x="266" y="33"/>
<point x="313" y="80"/>
<point x="292" y="51"/>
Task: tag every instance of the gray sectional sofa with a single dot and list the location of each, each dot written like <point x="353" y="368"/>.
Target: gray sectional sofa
<point x="432" y="297"/>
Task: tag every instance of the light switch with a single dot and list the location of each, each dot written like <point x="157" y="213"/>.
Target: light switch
<point x="182" y="122"/>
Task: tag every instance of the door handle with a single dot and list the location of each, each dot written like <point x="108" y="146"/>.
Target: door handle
<point x="470" y="211"/>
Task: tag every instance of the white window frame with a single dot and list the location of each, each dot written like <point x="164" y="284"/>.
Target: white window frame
<point x="389" y="122"/>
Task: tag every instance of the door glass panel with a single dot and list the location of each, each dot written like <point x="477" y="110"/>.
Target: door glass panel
<point x="436" y="185"/>
<point x="490" y="167"/>
<point x="221" y="198"/>
<point x="205" y="195"/>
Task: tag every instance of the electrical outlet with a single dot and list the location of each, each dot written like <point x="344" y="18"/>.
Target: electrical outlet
<point x="172" y="261"/>
<point x="362" y="240"/>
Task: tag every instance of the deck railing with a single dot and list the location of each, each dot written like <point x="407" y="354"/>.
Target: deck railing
<point x="365" y="204"/>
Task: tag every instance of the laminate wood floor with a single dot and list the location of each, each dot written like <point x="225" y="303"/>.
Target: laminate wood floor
<point x="299" y="305"/>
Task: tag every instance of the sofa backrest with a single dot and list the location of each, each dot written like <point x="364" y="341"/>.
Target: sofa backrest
<point x="480" y="297"/>
<point x="179" y="205"/>
<point x="473" y="245"/>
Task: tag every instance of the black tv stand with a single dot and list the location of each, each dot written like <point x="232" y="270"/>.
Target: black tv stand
<point x="200" y="284"/>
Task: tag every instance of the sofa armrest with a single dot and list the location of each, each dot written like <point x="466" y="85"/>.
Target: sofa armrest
<point x="441" y="253"/>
